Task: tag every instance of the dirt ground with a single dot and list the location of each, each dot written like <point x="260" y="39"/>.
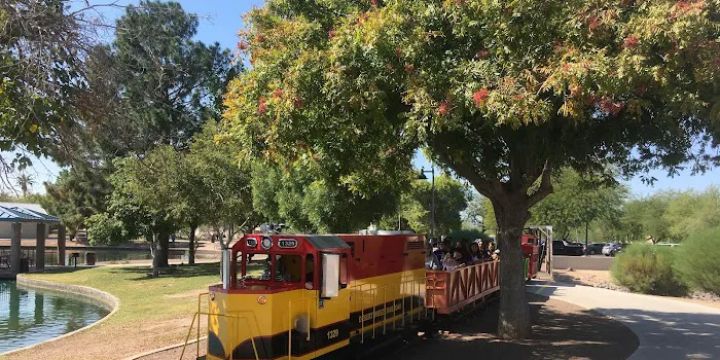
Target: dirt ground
<point x="595" y="278"/>
<point x="560" y="331"/>
<point x="110" y="342"/>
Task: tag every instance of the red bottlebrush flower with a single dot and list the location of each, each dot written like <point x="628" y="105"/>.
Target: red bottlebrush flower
<point x="259" y="38"/>
<point x="480" y="97"/>
<point x="610" y="107"/>
<point x="262" y="106"/>
<point x="277" y="93"/>
<point x="444" y="108"/>
<point x="242" y="45"/>
<point x="374" y="3"/>
<point x="482" y="54"/>
<point x="593" y="23"/>
<point x="682" y="5"/>
<point x="409" y="68"/>
<point x="631" y="42"/>
<point x="331" y="33"/>
<point x="298" y="103"/>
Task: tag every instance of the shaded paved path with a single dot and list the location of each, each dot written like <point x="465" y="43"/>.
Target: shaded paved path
<point x="560" y="331"/>
<point x="667" y="328"/>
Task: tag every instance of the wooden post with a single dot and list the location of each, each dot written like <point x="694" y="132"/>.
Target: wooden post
<point x="61" y="245"/>
<point x="15" y="247"/>
<point x="40" y="247"/>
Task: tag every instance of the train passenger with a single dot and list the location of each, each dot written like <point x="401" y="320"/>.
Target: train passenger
<point x="452" y="261"/>
<point x="494" y="253"/>
<point x="440" y="249"/>
<point x="460" y="247"/>
<point x="485" y="250"/>
<point x="476" y="256"/>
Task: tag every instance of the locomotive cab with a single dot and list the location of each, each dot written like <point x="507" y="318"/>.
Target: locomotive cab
<point x="282" y="296"/>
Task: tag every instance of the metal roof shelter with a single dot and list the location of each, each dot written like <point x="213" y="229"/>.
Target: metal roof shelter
<point x="22" y="214"/>
<point x="27" y="214"/>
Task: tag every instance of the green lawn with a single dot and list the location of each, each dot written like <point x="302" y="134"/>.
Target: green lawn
<point x="172" y="295"/>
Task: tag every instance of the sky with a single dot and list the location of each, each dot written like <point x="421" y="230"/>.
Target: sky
<point x="220" y="20"/>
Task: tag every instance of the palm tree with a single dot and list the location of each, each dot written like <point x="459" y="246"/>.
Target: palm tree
<point x="25" y="182"/>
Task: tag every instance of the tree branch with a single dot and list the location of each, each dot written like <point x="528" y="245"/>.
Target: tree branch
<point x="545" y="188"/>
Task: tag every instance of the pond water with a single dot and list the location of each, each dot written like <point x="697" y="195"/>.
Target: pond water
<point x="29" y="316"/>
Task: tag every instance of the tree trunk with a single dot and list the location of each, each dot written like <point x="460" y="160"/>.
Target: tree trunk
<point x="191" y="245"/>
<point x="163" y="243"/>
<point x="154" y="253"/>
<point x="514" y="319"/>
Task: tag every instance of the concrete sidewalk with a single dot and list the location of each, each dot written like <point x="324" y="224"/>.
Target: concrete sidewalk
<point x="667" y="328"/>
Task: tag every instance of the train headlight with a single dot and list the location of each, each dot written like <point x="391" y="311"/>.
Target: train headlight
<point x="266" y="243"/>
<point x="262" y="300"/>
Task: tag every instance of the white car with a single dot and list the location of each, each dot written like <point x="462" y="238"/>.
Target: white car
<point x="611" y="249"/>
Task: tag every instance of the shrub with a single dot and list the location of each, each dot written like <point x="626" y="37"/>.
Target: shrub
<point x="648" y="269"/>
<point x="697" y="260"/>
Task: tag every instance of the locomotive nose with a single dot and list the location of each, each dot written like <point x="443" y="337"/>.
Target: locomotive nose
<point x="252" y="326"/>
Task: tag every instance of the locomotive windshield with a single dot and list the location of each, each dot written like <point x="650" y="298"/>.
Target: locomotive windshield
<point x="278" y="267"/>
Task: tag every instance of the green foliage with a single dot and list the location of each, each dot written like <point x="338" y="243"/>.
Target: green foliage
<point x="77" y="194"/>
<point x="644" y="217"/>
<point x="105" y="230"/>
<point x="690" y="211"/>
<point x="41" y="68"/>
<point x="468" y="234"/>
<point x="416" y="205"/>
<point x="214" y="187"/>
<point x="577" y="201"/>
<point x="159" y="85"/>
<point x="648" y="269"/>
<point x="145" y="192"/>
<point x="697" y="260"/>
<point x="489" y="220"/>
<point x="669" y="216"/>
<point x="475" y="212"/>
<point x="308" y="201"/>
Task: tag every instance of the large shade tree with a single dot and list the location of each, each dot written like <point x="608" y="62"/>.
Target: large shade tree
<point x="154" y="84"/>
<point x="502" y="93"/>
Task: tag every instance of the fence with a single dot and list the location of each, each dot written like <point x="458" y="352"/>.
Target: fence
<point x="449" y="291"/>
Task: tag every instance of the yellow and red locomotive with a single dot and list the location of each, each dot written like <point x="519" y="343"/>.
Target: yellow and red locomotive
<point x="304" y="296"/>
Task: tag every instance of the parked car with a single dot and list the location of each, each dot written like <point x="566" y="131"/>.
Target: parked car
<point x="561" y="247"/>
<point x="593" y="249"/>
<point x="611" y="249"/>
